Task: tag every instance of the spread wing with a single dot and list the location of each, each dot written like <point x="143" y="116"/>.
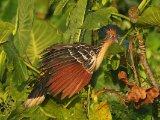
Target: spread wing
<point x="70" y="67"/>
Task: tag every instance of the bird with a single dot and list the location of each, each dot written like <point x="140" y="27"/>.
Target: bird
<point x="67" y="68"/>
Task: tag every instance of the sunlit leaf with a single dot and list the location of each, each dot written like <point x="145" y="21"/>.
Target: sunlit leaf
<point x="150" y="17"/>
<point x="99" y="18"/>
<point x="42" y="36"/>
<point x="100" y="112"/>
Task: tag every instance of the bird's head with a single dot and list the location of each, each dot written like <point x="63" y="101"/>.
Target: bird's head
<point x="112" y="35"/>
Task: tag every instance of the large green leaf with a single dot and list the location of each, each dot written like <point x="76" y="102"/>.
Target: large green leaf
<point x="100" y="112"/>
<point x="150" y="17"/>
<point x="54" y="110"/>
<point x="25" y="20"/>
<point x="43" y="35"/>
<point x="75" y="21"/>
<point x="99" y="18"/>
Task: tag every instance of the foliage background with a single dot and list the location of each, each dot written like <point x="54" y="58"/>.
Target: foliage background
<point x="27" y="27"/>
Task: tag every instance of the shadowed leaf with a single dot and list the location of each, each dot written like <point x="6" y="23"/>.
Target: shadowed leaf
<point x="75" y="21"/>
<point x="60" y="6"/>
<point x="99" y="18"/>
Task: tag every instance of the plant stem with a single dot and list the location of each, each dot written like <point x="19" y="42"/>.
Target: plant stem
<point x="124" y="37"/>
<point x="142" y="5"/>
<point x="144" y="60"/>
<point x="132" y="60"/>
<point x="111" y="91"/>
<point x="121" y="16"/>
<point x="32" y="68"/>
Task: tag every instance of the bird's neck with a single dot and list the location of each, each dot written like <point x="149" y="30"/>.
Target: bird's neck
<point x="103" y="50"/>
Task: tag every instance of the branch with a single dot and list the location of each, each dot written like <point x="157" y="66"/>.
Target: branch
<point x="110" y="91"/>
<point x="144" y="60"/>
<point x="132" y="60"/>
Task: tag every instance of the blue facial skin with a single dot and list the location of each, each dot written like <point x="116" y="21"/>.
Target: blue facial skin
<point x="121" y="33"/>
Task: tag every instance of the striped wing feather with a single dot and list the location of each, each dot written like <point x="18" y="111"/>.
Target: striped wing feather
<point x="66" y="66"/>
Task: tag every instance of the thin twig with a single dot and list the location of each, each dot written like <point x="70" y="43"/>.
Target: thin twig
<point x="126" y="35"/>
<point x="144" y="60"/>
<point x="111" y="91"/>
<point x="132" y="60"/>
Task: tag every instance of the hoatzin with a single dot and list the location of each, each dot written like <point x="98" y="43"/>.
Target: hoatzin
<point x="68" y="68"/>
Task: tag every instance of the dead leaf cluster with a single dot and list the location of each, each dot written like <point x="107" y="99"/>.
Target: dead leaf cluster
<point x="137" y="94"/>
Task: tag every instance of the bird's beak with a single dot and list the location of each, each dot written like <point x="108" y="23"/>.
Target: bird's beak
<point x="115" y="39"/>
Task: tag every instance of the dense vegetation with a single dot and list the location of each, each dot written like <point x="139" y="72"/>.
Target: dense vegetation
<point x="27" y="27"/>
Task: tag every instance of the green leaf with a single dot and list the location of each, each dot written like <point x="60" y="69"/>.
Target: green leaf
<point x="75" y="21"/>
<point x="150" y="17"/>
<point x="19" y="68"/>
<point x="5" y="30"/>
<point x="8" y="9"/>
<point x="77" y="112"/>
<point x="100" y="112"/>
<point x="38" y="115"/>
<point x="54" y="110"/>
<point x="114" y="49"/>
<point x="42" y="36"/>
<point x="99" y="18"/>
<point x="25" y="19"/>
<point x="115" y="62"/>
<point x="60" y="7"/>
<point x="102" y="78"/>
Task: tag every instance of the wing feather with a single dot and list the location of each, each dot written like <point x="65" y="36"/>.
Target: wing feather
<point x="76" y="86"/>
<point x="70" y="67"/>
<point x="58" y="77"/>
<point x="69" y="80"/>
<point x="66" y="82"/>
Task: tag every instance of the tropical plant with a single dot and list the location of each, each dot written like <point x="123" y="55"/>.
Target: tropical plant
<point x="27" y="27"/>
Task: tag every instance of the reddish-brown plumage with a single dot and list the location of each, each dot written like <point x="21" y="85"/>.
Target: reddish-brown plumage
<point x="69" y="79"/>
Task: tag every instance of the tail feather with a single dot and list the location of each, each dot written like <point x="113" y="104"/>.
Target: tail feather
<point x="38" y="93"/>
